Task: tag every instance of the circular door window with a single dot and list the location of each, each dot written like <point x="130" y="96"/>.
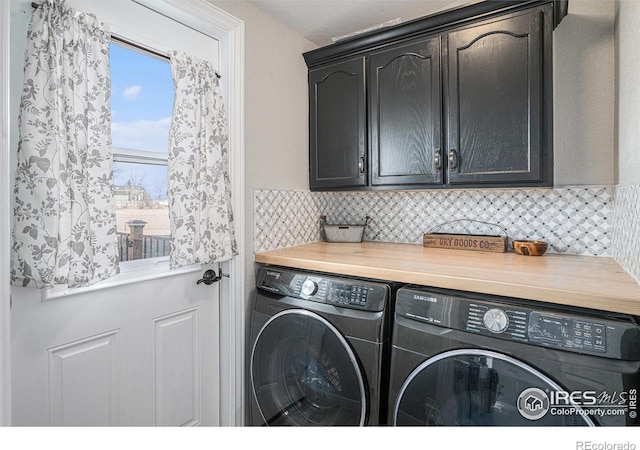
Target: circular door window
<point x="477" y="388"/>
<point x="304" y="373"/>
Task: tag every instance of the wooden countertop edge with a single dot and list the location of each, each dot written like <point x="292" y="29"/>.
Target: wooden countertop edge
<point x="536" y="278"/>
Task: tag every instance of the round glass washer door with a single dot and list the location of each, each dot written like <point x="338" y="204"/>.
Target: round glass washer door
<point x="304" y="373"/>
<point x="479" y="388"/>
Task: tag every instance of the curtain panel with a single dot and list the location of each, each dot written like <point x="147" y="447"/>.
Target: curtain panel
<point x="64" y="223"/>
<point x="202" y="228"/>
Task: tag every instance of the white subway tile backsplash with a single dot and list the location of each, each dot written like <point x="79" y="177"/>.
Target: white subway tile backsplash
<point x="572" y="220"/>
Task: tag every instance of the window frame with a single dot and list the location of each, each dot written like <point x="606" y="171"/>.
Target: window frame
<point x="135" y="156"/>
<point x="128" y="155"/>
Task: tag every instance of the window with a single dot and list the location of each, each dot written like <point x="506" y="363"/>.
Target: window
<point x="141" y="106"/>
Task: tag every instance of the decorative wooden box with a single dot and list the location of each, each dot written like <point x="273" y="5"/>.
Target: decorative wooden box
<point x="494" y="244"/>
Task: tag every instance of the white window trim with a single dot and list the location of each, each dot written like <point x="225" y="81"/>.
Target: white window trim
<point x="131" y="272"/>
<point x="129" y="155"/>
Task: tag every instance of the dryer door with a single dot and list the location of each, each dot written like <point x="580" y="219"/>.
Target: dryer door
<point x="304" y="373"/>
<point x="480" y="387"/>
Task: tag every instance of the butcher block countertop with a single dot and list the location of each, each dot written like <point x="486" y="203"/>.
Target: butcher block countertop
<point x="585" y="281"/>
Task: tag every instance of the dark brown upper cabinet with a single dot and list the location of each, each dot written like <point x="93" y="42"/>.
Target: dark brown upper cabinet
<point x="460" y="99"/>
<point x="337" y="125"/>
<point x="405" y="114"/>
<point x="498" y="130"/>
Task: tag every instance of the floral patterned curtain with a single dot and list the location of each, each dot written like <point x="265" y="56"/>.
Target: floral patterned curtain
<point x="202" y="229"/>
<point x="64" y="223"/>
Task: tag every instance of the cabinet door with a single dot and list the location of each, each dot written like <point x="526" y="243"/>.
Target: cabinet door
<point x="499" y="102"/>
<point x="405" y="101"/>
<point x="337" y="125"/>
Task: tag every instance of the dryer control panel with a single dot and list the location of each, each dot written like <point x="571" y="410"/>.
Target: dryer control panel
<point x="546" y="328"/>
<point x="337" y="291"/>
<point x="576" y="330"/>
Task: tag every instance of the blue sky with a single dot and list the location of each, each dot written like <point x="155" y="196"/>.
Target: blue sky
<point x="141" y="104"/>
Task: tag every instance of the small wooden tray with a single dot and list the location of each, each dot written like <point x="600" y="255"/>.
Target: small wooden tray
<point x="480" y="243"/>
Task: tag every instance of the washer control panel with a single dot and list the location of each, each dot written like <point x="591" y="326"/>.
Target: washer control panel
<point x="344" y="292"/>
<point x="523" y="321"/>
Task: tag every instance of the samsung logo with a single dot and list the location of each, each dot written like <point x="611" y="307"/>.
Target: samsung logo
<point x="425" y="298"/>
<point x="273" y="274"/>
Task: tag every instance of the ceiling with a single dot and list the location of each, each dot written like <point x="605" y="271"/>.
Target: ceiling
<point x="320" y="20"/>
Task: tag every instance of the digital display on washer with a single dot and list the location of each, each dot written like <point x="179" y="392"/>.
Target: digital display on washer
<point x="347" y="293"/>
<point x="566" y="332"/>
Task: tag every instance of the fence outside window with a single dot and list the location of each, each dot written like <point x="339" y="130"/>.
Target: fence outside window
<point x="135" y="245"/>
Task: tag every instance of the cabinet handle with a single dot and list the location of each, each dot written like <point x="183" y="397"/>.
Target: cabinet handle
<point x="453" y="159"/>
<point x="361" y="164"/>
<point x="436" y="159"/>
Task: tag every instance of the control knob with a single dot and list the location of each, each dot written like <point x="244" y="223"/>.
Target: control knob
<point x="496" y="320"/>
<point x="309" y="287"/>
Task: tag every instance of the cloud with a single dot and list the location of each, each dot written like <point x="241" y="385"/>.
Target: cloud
<point x="131" y="92"/>
<point x="150" y="135"/>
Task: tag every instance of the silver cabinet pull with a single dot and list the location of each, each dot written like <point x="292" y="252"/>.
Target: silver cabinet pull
<point x="453" y="159"/>
<point x="436" y="159"/>
<point x="361" y="164"/>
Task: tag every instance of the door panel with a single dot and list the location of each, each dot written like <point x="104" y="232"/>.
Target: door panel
<point x="82" y="381"/>
<point x="406" y="109"/>
<point x="142" y="354"/>
<point x="176" y="368"/>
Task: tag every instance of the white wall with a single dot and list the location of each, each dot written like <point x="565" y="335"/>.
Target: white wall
<point x="276" y="133"/>
<point x="584" y="103"/>
<point x="627" y="201"/>
<point x="628" y="95"/>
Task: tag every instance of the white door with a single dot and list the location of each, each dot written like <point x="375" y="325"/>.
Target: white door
<point x="140" y="354"/>
<point x="142" y="349"/>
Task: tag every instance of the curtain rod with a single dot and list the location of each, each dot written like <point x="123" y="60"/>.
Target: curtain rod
<point x="134" y="45"/>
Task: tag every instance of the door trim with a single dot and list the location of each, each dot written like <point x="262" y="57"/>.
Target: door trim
<point x="5" y="229"/>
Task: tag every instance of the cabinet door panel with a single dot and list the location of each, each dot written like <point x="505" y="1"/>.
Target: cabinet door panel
<point x="495" y="78"/>
<point x="337" y="125"/>
<point x="405" y="114"/>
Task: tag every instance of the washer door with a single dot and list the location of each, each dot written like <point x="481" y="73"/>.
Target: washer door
<point x="304" y="373"/>
<point x="477" y="387"/>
